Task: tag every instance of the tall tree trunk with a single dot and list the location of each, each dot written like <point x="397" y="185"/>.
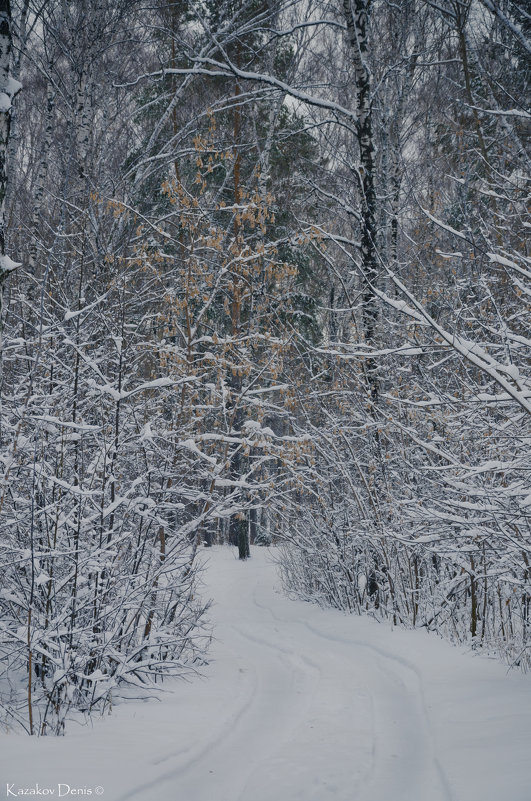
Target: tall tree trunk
<point x="8" y="89"/>
<point x="238" y="532"/>
<point x="356" y="16"/>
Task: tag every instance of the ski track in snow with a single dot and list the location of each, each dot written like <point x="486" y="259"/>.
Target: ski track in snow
<point x="298" y="704"/>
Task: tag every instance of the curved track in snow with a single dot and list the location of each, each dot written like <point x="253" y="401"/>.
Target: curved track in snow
<point x="303" y="713"/>
<point x="301" y="704"/>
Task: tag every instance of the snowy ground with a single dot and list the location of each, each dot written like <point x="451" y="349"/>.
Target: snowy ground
<point x="300" y="703"/>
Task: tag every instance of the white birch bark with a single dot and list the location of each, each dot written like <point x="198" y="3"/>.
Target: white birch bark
<point x="8" y="89"/>
<point x="356" y="16"/>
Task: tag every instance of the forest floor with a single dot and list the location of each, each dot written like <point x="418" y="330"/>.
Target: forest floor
<point x="299" y="703"/>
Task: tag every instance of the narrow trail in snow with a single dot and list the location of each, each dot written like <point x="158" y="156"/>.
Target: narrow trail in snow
<point x="308" y="716"/>
<point x="300" y="704"/>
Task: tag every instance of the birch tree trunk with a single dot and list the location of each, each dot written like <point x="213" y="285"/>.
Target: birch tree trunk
<point x="8" y="89"/>
<point x="356" y="16"/>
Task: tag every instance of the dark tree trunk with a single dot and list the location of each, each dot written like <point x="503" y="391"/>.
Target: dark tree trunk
<point x="356" y="16"/>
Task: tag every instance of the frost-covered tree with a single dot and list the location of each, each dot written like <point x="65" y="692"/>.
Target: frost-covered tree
<point x="98" y="576"/>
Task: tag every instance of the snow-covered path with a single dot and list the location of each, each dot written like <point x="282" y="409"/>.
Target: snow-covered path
<point x="301" y="703"/>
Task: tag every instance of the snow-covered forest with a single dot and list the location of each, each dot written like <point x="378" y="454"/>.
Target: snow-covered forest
<point x="264" y="278"/>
